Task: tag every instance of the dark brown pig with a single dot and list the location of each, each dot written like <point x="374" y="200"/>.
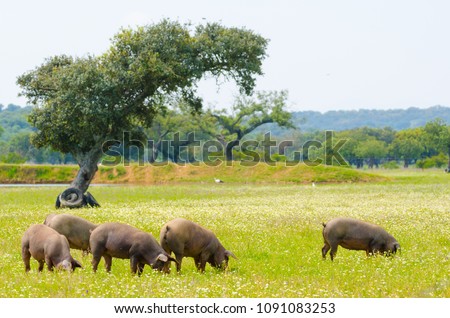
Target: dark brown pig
<point x="47" y="245"/>
<point x="124" y="241"/>
<point x="357" y="235"/>
<point x="187" y="239"/>
<point x="76" y="229"/>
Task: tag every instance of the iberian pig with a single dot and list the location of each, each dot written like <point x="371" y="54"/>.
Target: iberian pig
<point x="187" y="239"/>
<point x="357" y="235"/>
<point x="76" y="229"/>
<point x="126" y="242"/>
<point x="47" y="245"/>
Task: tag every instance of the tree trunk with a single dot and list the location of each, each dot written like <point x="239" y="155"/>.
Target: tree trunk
<point x="88" y="163"/>
<point x="229" y="149"/>
<point x="74" y="196"/>
<point x="155" y="152"/>
<point x="359" y="163"/>
<point x="177" y="151"/>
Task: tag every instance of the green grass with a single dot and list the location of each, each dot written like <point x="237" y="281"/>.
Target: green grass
<point x="274" y="230"/>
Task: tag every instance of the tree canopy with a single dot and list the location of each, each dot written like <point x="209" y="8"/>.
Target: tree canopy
<point x="247" y="114"/>
<point x="83" y="101"/>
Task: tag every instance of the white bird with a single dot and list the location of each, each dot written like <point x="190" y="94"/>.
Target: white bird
<point x="217" y="180"/>
<point x="313" y="184"/>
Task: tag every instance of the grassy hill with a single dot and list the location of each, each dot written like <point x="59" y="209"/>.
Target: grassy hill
<point x="172" y="173"/>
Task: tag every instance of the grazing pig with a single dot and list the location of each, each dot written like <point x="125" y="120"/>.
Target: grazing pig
<point x="187" y="239"/>
<point x="47" y="245"/>
<point x="357" y="235"/>
<point x="76" y="229"/>
<point x="124" y="241"/>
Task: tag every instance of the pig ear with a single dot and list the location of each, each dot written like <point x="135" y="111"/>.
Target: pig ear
<point x="162" y="258"/>
<point x="76" y="264"/>
<point x="228" y="253"/>
<point x="173" y="259"/>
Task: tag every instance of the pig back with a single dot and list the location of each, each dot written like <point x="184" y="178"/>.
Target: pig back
<point x="76" y="229"/>
<point x="119" y="240"/>
<point x="352" y="229"/>
<point x="42" y="239"/>
<point x="186" y="237"/>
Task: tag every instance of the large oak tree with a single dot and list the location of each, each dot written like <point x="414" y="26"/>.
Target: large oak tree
<point x="81" y="102"/>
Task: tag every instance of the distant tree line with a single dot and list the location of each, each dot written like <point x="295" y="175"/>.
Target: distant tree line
<point x="398" y="119"/>
<point x="427" y="146"/>
<point x="247" y="121"/>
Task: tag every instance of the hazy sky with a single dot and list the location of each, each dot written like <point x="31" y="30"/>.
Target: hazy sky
<point x="329" y="55"/>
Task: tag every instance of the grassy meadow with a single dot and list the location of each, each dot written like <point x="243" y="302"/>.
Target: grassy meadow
<point x="274" y="230"/>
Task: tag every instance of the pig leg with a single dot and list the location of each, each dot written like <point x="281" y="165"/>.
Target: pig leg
<point x="97" y="252"/>
<point x="41" y="265"/>
<point x="325" y="250"/>
<point x="133" y="264"/>
<point x="177" y="249"/>
<point x="49" y="263"/>
<point x="95" y="264"/>
<point x="197" y="262"/>
<point x="179" y="258"/>
<point x="108" y="262"/>
<point x="140" y="268"/>
<point x="333" y="251"/>
<point x="26" y="258"/>
<point x="376" y="248"/>
<point x="202" y="264"/>
<point x="95" y="260"/>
